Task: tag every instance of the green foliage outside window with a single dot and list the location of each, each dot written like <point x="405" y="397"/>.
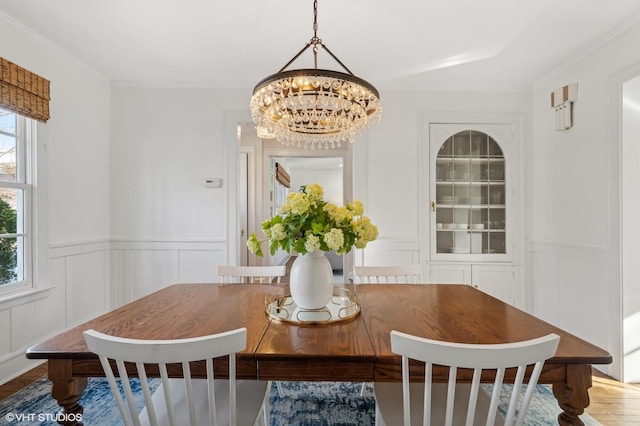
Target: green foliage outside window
<point x="8" y="255"/>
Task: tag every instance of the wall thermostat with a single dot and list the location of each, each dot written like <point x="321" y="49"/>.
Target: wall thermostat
<point x="213" y="183"/>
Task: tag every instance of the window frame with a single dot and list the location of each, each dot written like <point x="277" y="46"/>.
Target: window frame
<point x="26" y="163"/>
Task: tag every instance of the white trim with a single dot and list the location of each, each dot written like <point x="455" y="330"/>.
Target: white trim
<point x="205" y="245"/>
<point x="10" y="300"/>
<point x="618" y="32"/>
<point x="231" y="147"/>
<point x="76" y="248"/>
<point x="394" y="244"/>
<point x="614" y="225"/>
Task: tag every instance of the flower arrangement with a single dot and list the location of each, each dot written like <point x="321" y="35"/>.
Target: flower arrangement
<point x="307" y="223"/>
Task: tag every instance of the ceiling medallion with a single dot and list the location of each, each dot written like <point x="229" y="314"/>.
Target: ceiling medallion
<point x="315" y="108"/>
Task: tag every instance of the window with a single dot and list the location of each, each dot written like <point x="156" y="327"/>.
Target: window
<point x="16" y="158"/>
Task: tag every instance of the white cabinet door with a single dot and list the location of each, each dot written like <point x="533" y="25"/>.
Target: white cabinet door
<point x="471" y="192"/>
<point x="449" y="273"/>
<point x="495" y="280"/>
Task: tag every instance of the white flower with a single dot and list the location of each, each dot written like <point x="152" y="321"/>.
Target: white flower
<point x="277" y="232"/>
<point x="312" y="244"/>
<point x="334" y="238"/>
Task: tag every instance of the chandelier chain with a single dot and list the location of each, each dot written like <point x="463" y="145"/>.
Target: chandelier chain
<point x="315" y="19"/>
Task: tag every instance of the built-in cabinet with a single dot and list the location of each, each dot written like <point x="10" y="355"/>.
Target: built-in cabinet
<point x="470" y="194"/>
<point x="496" y="279"/>
<point x="471" y="220"/>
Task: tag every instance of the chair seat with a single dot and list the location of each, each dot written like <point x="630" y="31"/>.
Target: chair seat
<point x="250" y="392"/>
<point x="389" y="399"/>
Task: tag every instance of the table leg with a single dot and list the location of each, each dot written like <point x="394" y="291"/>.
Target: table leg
<point x="67" y="390"/>
<point x="573" y="395"/>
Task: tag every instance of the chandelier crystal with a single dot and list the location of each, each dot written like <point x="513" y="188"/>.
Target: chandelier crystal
<point x="263" y="133"/>
<point x="315" y="108"/>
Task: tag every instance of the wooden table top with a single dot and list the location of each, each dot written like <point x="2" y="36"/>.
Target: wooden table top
<point x="457" y="313"/>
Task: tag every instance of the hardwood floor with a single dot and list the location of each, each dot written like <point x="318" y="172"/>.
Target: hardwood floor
<point x="13" y="386"/>
<point x="612" y="403"/>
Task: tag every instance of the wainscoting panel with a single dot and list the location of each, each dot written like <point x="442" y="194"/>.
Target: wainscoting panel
<point x="199" y="266"/>
<point x="152" y="270"/>
<point x="78" y="276"/>
<point x="570" y="288"/>
<point x="384" y="252"/>
<point x="139" y="268"/>
<point x="88" y="285"/>
<point x="5" y="331"/>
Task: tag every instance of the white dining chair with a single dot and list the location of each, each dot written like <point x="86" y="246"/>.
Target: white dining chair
<point x="256" y="275"/>
<point x="461" y="404"/>
<point x="395" y="274"/>
<point x="251" y="274"/>
<point x="181" y="401"/>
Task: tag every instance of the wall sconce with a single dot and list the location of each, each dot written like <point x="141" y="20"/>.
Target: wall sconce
<point x="562" y="103"/>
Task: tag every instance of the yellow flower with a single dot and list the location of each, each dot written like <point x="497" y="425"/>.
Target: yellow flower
<point x="365" y="230"/>
<point x="296" y="203"/>
<point x="254" y="245"/>
<point x="314" y="191"/>
<point x="338" y="214"/>
<point x="356" y="208"/>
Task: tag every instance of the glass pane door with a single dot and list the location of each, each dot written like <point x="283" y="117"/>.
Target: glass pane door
<point x="470" y="195"/>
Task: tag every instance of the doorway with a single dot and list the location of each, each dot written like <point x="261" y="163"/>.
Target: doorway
<point x="327" y="171"/>
<point x="330" y="168"/>
<point x="630" y="228"/>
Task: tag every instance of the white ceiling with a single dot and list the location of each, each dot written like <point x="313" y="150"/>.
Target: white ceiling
<point x="394" y="44"/>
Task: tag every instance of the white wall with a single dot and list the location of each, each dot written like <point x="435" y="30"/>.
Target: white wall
<point x="74" y="185"/>
<point x="167" y="227"/>
<point x="574" y="237"/>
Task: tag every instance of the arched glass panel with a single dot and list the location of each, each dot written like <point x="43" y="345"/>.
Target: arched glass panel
<point x="470" y="195"/>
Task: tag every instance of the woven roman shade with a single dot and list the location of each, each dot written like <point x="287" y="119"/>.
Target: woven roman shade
<point x="282" y="176"/>
<point x="23" y="92"/>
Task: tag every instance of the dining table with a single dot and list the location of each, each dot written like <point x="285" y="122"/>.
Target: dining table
<point x="354" y="348"/>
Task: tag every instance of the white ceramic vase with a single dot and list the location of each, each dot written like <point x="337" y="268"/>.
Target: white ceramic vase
<point x="311" y="280"/>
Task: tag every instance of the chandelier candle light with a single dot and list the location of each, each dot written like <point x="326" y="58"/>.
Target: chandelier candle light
<point x="315" y="108"/>
<point x="309" y="226"/>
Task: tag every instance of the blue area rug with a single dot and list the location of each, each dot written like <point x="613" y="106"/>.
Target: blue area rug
<point x="302" y="404"/>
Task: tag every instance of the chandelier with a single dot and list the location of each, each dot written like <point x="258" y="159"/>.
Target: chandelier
<point x="315" y="108"/>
